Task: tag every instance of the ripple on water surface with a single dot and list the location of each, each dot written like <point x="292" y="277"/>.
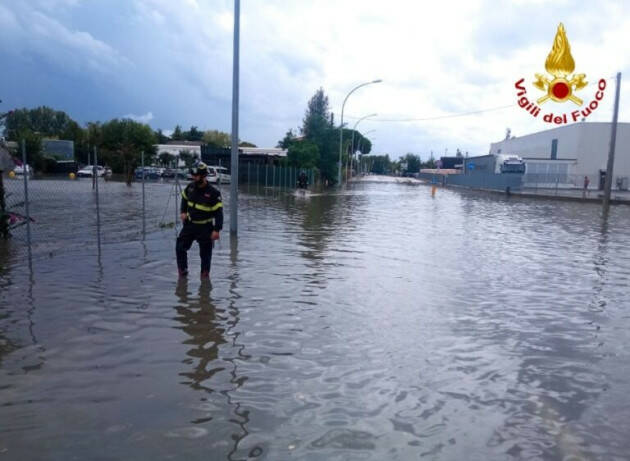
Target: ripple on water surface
<point x="379" y="323"/>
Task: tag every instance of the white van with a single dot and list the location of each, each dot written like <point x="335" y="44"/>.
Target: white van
<point x="218" y="175"/>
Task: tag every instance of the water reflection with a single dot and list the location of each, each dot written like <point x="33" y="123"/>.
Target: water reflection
<point x="198" y="317"/>
<point x="215" y="351"/>
<point x="317" y="220"/>
<point x="240" y="415"/>
<point x="600" y="262"/>
<point x="458" y="327"/>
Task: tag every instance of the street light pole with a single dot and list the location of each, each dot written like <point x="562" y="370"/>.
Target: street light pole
<point x="611" y="152"/>
<point x="235" y="94"/>
<point x="365" y="137"/>
<point x="352" y="142"/>
<point x="341" y="126"/>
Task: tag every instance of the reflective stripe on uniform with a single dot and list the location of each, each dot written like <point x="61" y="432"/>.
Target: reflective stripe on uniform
<point x="184" y="194"/>
<point x="203" y="221"/>
<point x="198" y="206"/>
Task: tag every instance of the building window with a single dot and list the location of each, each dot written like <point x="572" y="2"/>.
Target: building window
<point x="554" y="149"/>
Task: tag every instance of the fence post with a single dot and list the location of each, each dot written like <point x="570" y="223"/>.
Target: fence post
<point x="26" y="172"/>
<point x="177" y="197"/>
<point x="98" y="209"/>
<point x="266" y="175"/>
<point x="4" y="229"/>
<point x="144" y="229"/>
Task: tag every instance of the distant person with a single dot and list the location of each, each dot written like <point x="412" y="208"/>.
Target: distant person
<point x="586" y="183"/>
<point x="302" y="181"/>
<point x="202" y="214"/>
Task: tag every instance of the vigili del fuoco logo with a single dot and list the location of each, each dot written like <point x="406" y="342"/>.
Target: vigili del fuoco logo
<point x="560" y="85"/>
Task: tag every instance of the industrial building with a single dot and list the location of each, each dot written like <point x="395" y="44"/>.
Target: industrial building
<point x="563" y="156"/>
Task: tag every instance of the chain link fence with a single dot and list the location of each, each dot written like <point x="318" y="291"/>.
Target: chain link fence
<point x="572" y="181"/>
<point x="51" y="213"/>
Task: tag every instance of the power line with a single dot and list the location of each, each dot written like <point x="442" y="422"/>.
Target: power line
<point x="438" y="117"/>
<point x="460" y="114"/>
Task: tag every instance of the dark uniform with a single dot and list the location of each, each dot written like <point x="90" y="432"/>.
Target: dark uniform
<point x="302" y="181"/>
<point x="204" y="214"/>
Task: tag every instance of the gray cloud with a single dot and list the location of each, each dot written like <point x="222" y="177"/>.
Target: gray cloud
<point x="176" y="58"/>
<point x="144" y="118"/>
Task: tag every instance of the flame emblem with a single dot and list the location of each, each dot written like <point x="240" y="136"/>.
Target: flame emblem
<point x="560" y="65"/>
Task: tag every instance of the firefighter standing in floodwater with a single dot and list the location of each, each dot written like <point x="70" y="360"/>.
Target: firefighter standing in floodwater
<point x="302" y="181"/>
<point x="202" y="214"/>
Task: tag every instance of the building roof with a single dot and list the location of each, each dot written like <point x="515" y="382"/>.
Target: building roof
<point x="185" y="143"/>
<point x="269" y="151"/>
<point x="570" y="127"/>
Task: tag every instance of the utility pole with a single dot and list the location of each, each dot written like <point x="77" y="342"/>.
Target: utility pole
<point x="611" y="152"/>
<point x="234" y="172"/>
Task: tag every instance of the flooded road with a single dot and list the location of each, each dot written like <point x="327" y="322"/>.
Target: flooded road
<point x="375" y="324"/>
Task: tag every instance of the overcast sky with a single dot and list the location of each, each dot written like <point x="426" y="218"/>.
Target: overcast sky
<point x="169" y="62"/>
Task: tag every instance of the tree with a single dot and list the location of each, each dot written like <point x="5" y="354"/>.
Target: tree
<point x="187" y="157"/>
<point x="33" y="146"/>
<point x="193" y="134"/>
<point x="318" y="129"/>
<point x="125" y="140"/>
<point x="34" y="124"/>
<point x="315" y="122"/>
<point x="362" y="144"/>
<point x="42" y="120"/>
<point x="431" y="163"/>
<point x="413" y="163"/>
<point x="166" y="159"/>
<point x="217" y="138"/>
<point x="329" y="154"/>
<point x="177" y="134"/>
<point x="92" y="137"/>
<point x="303" y="154"/>
<point x="380" y="164"/>
<point x="289" y="138"/>
<point x="161" y="137"/>
<point x="246" y="144"/>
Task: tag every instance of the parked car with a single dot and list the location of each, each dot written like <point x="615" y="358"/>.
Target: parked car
<point x="19" y="169"/>
<point x="87" y="171"/>
<point x="218" y="175"/>
<point x="169" y="173"/>
<point x="149" y="173"/>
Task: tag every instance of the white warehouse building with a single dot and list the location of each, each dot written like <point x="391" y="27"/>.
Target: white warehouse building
<point x="568" y="153"/>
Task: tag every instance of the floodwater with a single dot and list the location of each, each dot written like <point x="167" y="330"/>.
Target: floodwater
<point x="374" y="324"/>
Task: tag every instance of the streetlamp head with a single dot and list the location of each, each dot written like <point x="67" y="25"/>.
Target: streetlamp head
<point x="377" y="81"/>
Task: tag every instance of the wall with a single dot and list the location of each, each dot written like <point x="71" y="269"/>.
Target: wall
<point x="482" y="181"/>
<point x="586" y="142"/>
